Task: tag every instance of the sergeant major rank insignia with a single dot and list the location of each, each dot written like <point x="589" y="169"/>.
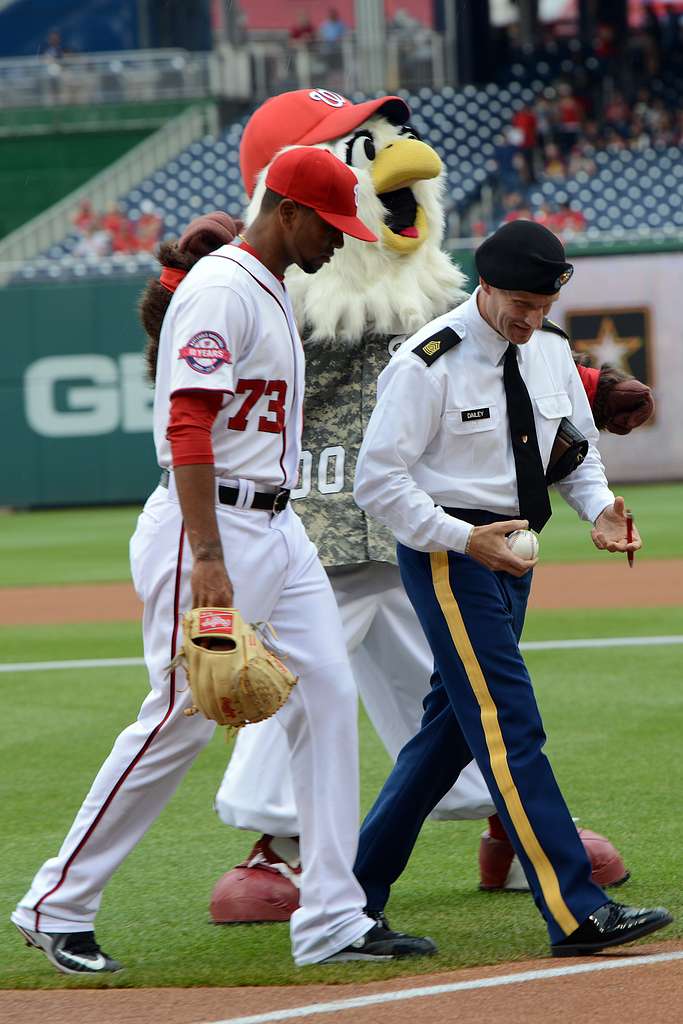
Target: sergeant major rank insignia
<point x="433" y="347"/>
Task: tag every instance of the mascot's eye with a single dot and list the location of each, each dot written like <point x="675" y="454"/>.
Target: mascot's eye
<point x="410" y="132"/>
<point x="360" y="150"/>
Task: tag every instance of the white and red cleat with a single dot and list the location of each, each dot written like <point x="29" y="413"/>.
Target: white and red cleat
<point x="263" y="888"/>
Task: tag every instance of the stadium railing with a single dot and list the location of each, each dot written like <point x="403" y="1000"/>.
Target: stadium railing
<point x="263" y="64"/>
<point x="156" y="151"/>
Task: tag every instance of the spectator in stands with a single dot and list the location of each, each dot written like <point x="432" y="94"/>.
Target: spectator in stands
<point x="332" y="29"/>
<point x="581" y="160"/>
<point x="125" y="239"/>
<point x="84" y="217"/>
<point x="554" y="166"/>
<point x="545" y="118"/>
<point x="614" y="142"/>
<point x="545" y="215"/>
<point x="148" y="227"/>
<point x="302" y="33"/>
<point x="478" y="229"/>
<point x="93" y="242"/>
<point x="331" y="33"/>
<point x="644" y="47"/>
<point x="639" y="136"/>
<point x="568" y="222"/>
<point x="414" y="47"/>
<point x="658" y="117"/>
<point x="513" y="170"/>
<point x="53" y="52"/>
<point x="617" y="113"/>
<point x="569" y="117"/>
<point x="515" y="208"/>
<point x="53" y="49"/>
<point x="524" y="121"/>
<point x="114" y="220"/>
<point x="605" y="45"/>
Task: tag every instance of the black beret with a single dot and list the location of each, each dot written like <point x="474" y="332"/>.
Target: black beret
<point x="523" y="256"/>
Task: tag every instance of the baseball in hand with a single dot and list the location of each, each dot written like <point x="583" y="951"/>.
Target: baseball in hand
<point x="523" y="543"/>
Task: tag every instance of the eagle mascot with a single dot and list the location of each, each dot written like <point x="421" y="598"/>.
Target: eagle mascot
<point x="352" y="315"/>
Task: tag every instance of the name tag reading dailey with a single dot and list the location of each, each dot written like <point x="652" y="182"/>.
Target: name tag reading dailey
<point x="475" y="414"/>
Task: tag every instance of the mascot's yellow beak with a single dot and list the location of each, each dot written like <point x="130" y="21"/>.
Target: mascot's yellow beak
<point x="395" y="170"/>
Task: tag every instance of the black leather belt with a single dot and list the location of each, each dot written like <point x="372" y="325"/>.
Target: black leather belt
<point x="263" y="501"/>
<point x="477" y="516"/>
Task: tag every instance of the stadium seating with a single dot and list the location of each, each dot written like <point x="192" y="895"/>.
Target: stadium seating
<point x="632" y="192"/>
<point x="460" y="125"/>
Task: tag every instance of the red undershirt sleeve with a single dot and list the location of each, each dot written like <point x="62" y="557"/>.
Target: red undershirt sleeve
<point x="589" y="378"/>
<point x="189" y="429"/>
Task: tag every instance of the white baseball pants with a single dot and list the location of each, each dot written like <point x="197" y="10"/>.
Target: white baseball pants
<point x="277" y="576"/>
<point x="392" y="665"/>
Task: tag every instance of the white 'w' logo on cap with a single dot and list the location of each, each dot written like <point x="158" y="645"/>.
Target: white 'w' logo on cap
<point x="332" y="99"/>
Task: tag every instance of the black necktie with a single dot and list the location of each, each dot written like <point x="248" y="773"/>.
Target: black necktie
<point x="532" y="490"/>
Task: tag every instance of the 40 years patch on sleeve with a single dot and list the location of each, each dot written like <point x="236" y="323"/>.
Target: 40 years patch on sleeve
<point x="205" y="352"/>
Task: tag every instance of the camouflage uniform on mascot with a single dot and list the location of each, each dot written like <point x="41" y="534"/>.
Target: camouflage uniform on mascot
<point x="352" y="315"/>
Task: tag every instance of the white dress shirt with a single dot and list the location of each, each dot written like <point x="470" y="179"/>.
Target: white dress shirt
<point x="439" y="434"/>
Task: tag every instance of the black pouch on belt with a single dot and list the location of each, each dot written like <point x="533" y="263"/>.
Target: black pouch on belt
<point x="569" y="450"/>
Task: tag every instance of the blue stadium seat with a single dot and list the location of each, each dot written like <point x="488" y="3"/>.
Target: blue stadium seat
<point x="631" y="191"/>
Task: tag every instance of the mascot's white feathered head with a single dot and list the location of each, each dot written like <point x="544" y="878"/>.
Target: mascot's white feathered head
<point x="392" y="286"/>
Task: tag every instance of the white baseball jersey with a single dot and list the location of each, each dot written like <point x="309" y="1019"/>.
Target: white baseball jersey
<point x="230" y="328"/>
<point x="439" y="434"/>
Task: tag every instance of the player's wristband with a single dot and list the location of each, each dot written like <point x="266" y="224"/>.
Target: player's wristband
<point x="468" y="542"/>
<point x="170" y="278"/>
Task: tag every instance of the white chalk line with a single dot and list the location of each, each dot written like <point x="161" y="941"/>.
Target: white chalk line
<point x="529" y="645"/>
<point x="359" y="1002"/>
<point x="607" y="641"/>
<point x="51" y="666"/>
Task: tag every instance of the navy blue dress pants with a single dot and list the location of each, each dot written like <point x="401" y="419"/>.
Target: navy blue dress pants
<point x="481" y="704"/>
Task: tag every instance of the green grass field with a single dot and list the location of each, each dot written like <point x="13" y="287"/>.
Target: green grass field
<point x="614" y="719"/>
<point x="91" y="545"/>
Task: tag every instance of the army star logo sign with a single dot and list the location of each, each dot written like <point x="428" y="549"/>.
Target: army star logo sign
<point x="620" y="337"/>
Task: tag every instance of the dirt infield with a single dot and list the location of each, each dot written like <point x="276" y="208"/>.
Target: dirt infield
<point x="579" y="585"/>
<point x="614" y="995"/>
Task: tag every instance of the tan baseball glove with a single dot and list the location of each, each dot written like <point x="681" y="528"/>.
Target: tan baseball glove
<point x="234" y="678"/>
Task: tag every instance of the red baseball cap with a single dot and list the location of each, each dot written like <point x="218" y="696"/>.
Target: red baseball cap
<point x="317" y="178"/>
<point x="303" y="118"/>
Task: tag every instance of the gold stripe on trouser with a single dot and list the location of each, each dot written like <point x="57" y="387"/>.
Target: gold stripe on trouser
<point x="495" y="743"/>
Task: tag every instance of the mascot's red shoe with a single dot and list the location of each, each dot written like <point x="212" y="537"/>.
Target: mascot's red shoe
<point x="499" y="868"/>
<point x="261" y="889"/>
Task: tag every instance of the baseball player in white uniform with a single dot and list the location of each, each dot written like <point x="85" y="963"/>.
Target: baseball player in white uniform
<point x="218" y="531"/>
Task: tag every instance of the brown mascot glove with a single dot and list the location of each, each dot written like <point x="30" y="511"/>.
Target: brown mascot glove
<point x="621" y="402"/>
<point x="202" y="236"/>
<point x="205" y="234"/>
<point x="234" y="679"/>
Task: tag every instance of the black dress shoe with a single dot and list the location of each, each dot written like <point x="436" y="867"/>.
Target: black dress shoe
<point x="611" y="925"/>
<point x="382" y="943"/>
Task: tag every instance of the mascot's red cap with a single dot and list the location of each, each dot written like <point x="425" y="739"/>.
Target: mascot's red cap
<point x="303" y="118"/>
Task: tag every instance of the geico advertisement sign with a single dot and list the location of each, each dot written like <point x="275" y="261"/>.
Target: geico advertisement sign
<point x="85" y="395"/>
